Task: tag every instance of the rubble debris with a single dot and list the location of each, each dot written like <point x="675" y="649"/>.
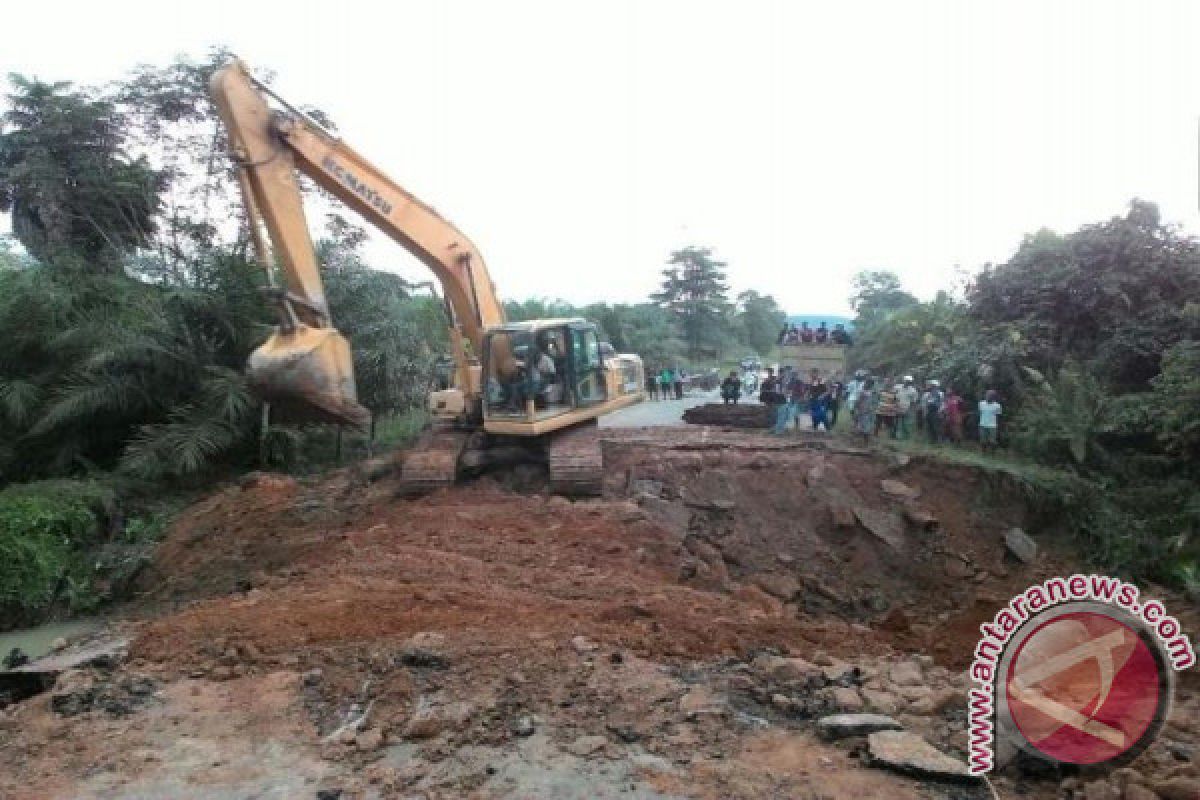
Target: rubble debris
<point x="751" y="415"/>
<point x="842" y="726"/>
<point x="898" y="490"/>
<point x="585" y="746"/>
<point x="909" y="754"/>
<point x="424" y="649"/>
<point x="884" y="525"/>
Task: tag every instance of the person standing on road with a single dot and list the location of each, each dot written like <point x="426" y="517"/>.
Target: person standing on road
<point x="885" y="407"/>
<point x="864" y="410"/>
<point x="652" y="385"/>
<point x="731" y="388"/>
<point x="771" y="395"/>
<point x="818" y="408"/>
<point x="932" y="403"/>
<point x="906" y="404"/>
<point x="665" y="379"/>
<point x="835" y="402"/>
<point x="989" y="421"/>
<point x="954" y="416"/>
<point x="678" y="382"/>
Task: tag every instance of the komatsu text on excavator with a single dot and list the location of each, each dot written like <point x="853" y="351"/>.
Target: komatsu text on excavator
<point x="523" y="391"/>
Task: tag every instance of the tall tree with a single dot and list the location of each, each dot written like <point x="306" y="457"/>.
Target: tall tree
<point x="75" y="195"/>
<point x="694" y="291"/>
<point x="877" y="293"/>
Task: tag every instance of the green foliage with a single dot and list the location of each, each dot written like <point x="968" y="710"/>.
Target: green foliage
<point x="43" y="528"/>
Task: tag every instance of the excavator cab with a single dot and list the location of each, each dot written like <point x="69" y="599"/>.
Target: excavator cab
<point x="533" y="371"/>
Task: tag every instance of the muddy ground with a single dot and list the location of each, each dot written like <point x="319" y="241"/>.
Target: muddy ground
<point x="679" y="637"/>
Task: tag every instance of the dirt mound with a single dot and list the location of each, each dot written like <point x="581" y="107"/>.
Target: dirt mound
<point x="677" y="637"/>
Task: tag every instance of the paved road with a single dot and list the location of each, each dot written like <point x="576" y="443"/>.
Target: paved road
<point x="658" y="412"/>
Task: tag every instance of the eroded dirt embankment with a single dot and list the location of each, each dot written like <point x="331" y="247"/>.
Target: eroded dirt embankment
<point x="678" y="637"/>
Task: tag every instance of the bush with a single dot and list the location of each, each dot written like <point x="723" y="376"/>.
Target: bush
<point x="44" y="528"/>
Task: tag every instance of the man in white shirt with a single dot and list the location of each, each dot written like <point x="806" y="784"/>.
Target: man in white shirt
<point x="989" y="421"/>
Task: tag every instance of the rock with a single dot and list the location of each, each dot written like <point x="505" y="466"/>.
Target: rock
<point x="429" y="719"/>
<point x="787" y="670"/>
<point x="883" y="702"/>
<point x="843" y="517"/>
<point x="885" y="526"/>
<point x="1020" y="545"/>
<point x="898" y="490"/>
<point x="841" y="674"/>
<point x="58" y="644"/>
<point x="935" y="702"/>
<point x="906" y="673"/>
<point x="424" y="649"/>
<point x="1180" y="751"/>
<point x="222" y="673"/>
<point x="921" y="518"/>
<point x="523" y="726"/>
<point x="958" y="568"/>
<point x="1178" y="788"/>
<point x="369" y="741"/>
<point x="899" y="460"/>
<point x="585" y="746"/>
<point x="847" y="699"/>
<point x="784" y="587"/>
<point x="1136" y="791"/>
<point x="313" y="677"/>
<point x="583" y="645"/>
<point x="329" y="794"/>
<point x="651" y="763"/>
<point x="781" y="702"/>
<point x="909" y="754"/>
<point x="700" y="701"/>
<point x="841" y="726"/>
<point x="1100" y="790"/>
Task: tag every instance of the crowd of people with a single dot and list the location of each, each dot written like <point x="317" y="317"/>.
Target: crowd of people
<point x="905" y="411"/>
<point x="819" y="335"/>
<point x="792" y="394"/>
<point x="665" y="384"/>
<point x="900" y="408"/>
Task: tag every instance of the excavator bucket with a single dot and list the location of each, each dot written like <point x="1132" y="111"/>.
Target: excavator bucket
<point x="307" y="375"/>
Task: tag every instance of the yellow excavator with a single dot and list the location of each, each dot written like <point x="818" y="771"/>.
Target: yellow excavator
<point x="519" y="392"/>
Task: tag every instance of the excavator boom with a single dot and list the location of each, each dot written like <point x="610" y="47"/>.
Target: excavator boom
<point x="307" y="362"/>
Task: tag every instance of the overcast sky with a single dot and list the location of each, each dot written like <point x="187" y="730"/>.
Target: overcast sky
<point x="578" y="143"/>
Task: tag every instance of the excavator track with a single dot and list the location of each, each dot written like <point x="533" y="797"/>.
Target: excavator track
<point x="433" y="463"/>
<point x="576" y="462"/>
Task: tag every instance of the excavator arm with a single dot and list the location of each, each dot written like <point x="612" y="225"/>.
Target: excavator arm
<point x="306" y="363"/>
